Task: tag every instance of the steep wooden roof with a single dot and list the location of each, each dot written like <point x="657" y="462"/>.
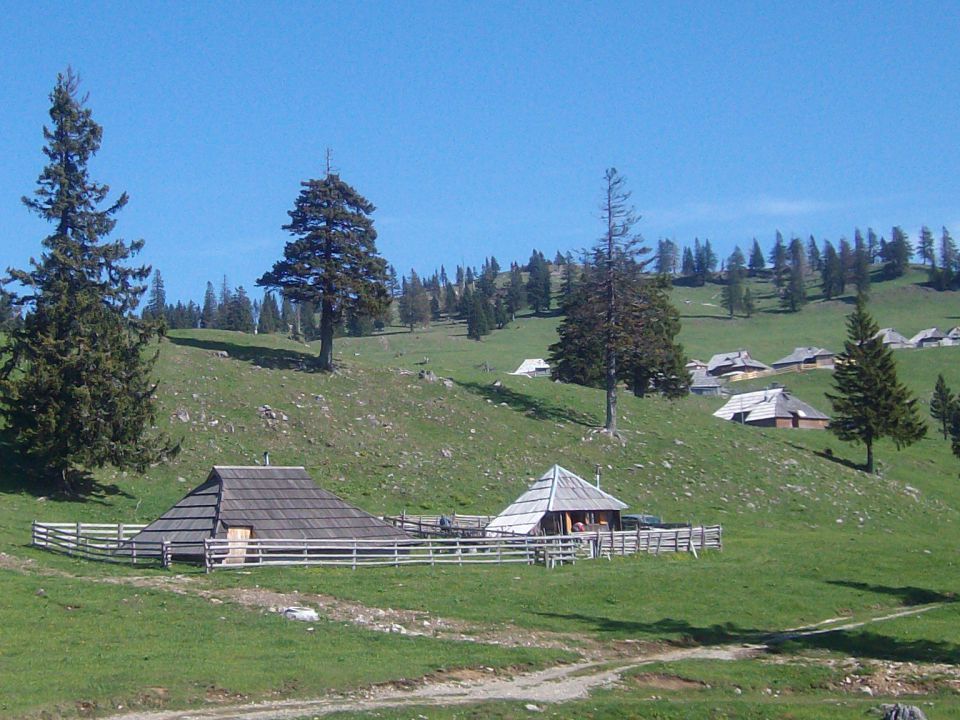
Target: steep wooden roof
<point x="276" y="502"/>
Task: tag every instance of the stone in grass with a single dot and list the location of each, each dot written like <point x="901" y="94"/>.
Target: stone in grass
<point x="303" y="614"/>
<point x="902" y="712"/>
<point x="533" y="708"/>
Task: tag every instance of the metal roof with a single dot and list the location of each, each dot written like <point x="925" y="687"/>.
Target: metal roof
<point x="929" y="335"/>
<point x="531" y="366"/>
<point x="802" y="355"/>
<point x="276" y="502"/>
<point x="558" y="490"/>
<point x="737" y="361"/>
<point x="890" y="336"/>
<point x="767" y="404"/>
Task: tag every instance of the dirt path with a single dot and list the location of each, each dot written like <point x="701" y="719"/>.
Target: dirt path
<point x="553" y="685"/>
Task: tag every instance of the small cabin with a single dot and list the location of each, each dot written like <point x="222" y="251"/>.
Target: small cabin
<point x="555" y="504"/>
<point x="803" y="358"/>
<point x="773" y="407"/>
<point x="533" y="367"/>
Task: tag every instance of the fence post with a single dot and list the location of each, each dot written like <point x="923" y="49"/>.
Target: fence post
<point x="165" y="554"/>
<point x="354" y="554"/>
<point x="207" y="558"/>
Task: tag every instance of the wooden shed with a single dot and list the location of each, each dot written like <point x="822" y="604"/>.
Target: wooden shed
<point x="774" y="407"/>
<point x="239" y="503"/>
<point x="806" y="357"/>
<point x="554" y="504"/>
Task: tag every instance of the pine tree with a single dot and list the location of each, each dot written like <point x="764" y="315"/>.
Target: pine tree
<point x="732" y="293"/>
<point x="75" y="389"/>
<point x="831" y="275"/>
<point x="666" y="258"/>
<point x="516" y="292"/>
<point x="778" y="259"/>
<point x="241" y="312"/>
<point x="861" y="265"/>
<point x="157" y="302"/>
<point x="9" y="314"/>
<point x="869" y="402"/>
<point x="748" y="307"/>
<point x="269" y="321"/>
<point x="943" y="278"/>
<point x="538" y="283"/>
<point x="289" y="321"/>
<point x="795" y="294"/>
<point x="873" y="246"/>
<point x="757" y="261"/>
<point x="814" y="261"/>
<point x="846" y="263"/>
<point x="478" y="317"/>
<point x="688" y="266"/>
<point x="899" y="252"/>
<point x="211" y="310"/>
<point x="925" y="246"/>
<point x="942" y="405"/>
<point x="333" y="262"/>
<point x="414" y="303"/>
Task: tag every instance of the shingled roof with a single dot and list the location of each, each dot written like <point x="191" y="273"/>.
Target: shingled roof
<point x="557" y="490"/>
<point x="276" y="502"/>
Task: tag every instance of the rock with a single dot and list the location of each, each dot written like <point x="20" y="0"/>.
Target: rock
<point x="220" y="354"/>
<point x="448" y="383"/>
<point x="446" y="453"/>
<point x="427" y="375"/>
<point x="902" y="712"/>
<point x="303" y="614"/>
<point x="182" y="415"/>
<point x="532" y="708"/>
<point x="40" y="592"/>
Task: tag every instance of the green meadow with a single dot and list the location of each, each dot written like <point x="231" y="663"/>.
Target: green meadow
<point x="807" y="536"/>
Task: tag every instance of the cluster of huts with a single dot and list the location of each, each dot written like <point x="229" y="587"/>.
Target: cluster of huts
<point x="283" y="503"/>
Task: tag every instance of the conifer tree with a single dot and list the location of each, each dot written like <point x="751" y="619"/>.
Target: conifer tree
<point x="778" y="259"/>
<point x="9" y="315"/>
<point x="748" y="307"/>
<point x="795" y="294"/>
<point x="869" y="402"/>
<point x="925" y="246"/>
<point x="289" y="322"/>
<point x="944" y="276"/>
<point x="861" y="265"/>
<point x="688" y="266"/>
<point x="210" y="310"/>
<point x="732" y="293"/>
<point x="269" y="320"/>
<point x="538" y="283"/>
<point x="333" y="262"/>
<point x="157" y="301"/>
<point x="757" y="261"/>
<point x="516" y="292"/>
<point x="75" y="388"/>
<point x="814" y="261"/>
<point x="898" y="254"/>
<point x="831" y="275"/>
<point x="942" y="405"/>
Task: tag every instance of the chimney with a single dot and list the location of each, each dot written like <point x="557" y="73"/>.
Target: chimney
<point x="266" y="457"/>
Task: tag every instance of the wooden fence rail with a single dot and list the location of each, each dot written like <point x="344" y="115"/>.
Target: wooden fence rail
<point x="99" y="541"/>
<point x="112" y="543"/>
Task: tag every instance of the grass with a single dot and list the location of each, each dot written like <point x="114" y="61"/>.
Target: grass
<point x="808" y="536"/>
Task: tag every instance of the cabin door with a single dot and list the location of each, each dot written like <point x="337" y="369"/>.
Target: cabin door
<point x="238" y="537"/>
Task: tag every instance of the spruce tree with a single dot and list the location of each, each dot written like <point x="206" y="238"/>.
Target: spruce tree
<point x="333" y="262"/>
<point x="832" y="273"/>
<point x="814" y="261"/>
<point x="925" y="246"/>
<point x="757" y="261"/>
<point x="795" y="294"/>
<point x="157" y="300"/>
<point x="269" y="321"/>
<point x="748" y="307"/>
<point x="688" y="267"/>
<point x="942" y="405"/>
<point x="869" y="402"/>
<point x="75" y="388"/>
<point x="210" y="313"/>
<point x="778" y="259"/>
<point x="899" y="252"/>
<point x="861" y="265"/>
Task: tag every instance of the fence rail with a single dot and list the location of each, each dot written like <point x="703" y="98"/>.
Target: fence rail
<point x="430" y="526"/>
<point x="99" y="541"/>
<point x="112" y="543"/>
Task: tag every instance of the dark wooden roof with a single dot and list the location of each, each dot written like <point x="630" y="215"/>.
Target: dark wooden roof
<point x="276" y="502"/>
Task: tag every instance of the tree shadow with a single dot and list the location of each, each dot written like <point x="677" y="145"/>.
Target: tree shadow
<point x="534" y="407"/>
<point x="855" y="642"/>
<point x="908" y="595"/>
<point x="272" y="358"/>
<point x="828" y="454"/>
<point x="22" y="474"/>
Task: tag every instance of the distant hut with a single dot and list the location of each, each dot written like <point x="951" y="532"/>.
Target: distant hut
<point x="239" y="503"/>
<point x="806" y="357"/>
<point x="703" y="384"/>
<point x="533" y="367"/>
<point x="931" y="337"/>
<point x="735" y="363"/>
<point x="892" y="339"/>
<point x="555" y="503"/>
<point x="774" y="407"/>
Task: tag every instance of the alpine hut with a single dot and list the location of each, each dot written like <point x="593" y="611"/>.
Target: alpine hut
<point x="892" y="339"/>
<point x="735" y="363"/>
<point x="773" y="407"/>
<point x="533" y="367"/>
<point x="555" y="503"/>
<point x="931" y="337"/>
<point x="803" y="358"/>
<point x="239" y="503"/>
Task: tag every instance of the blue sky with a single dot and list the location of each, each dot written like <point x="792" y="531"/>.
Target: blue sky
<point x="484" y="128"/>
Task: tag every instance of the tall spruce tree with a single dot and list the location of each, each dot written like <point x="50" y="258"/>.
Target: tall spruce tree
<point x="211" y="310"/>
<point x="269" y="320"/>
<point x="75" y="388"/>
<point x="795" y="294"/>
<point x="942" y="405"/>
<point x="757" y="261"/>
<point x="831" y="274"/>
<point x="333" y="262"/>
<point x="157" y="300"/>
<point x="778" y="260"/>
<point x="898" y="254"/>
<point x="869" y="402"/>
<point x="925" y="245"/>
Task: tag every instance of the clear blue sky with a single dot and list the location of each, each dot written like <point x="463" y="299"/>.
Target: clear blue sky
<point x="484" y="129"/>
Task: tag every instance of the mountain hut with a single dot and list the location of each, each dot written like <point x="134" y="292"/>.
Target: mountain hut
<point x="554" y="504"/>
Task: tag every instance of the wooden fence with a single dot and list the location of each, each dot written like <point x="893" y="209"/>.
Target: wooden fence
<point x="529" y="550"/>
<point x="429" y="525"/>
<point x="99" y="541"/>
<point x="112" y="543"/>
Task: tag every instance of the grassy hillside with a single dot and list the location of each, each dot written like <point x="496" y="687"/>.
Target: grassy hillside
<point x="808" y="536"/>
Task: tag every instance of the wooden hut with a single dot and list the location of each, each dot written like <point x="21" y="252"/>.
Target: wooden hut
<point x="774" y="407"/>
<point x="735" y="363"/>
<point x="806" y="357"/>
<point x="533" y="367"/>
<point x="554" y="504"/>
<point x="239" y="503"/>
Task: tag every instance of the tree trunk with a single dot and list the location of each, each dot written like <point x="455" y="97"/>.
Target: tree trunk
<point x="869" y="466"/>
<point x="325" y="361"/>
<point x="611" y="351"/>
